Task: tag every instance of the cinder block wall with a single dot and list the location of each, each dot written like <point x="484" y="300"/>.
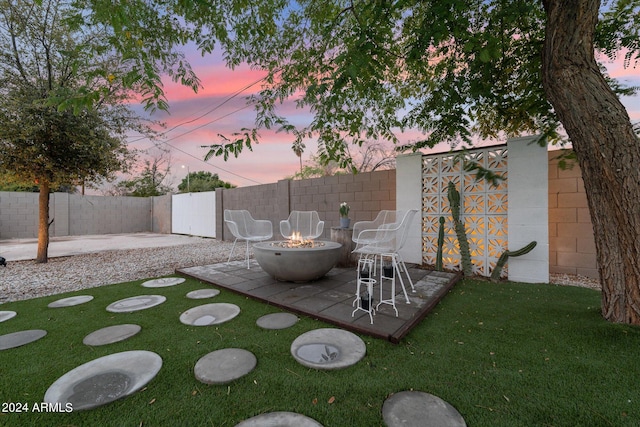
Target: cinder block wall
<point x="571" y="243"/>
<point x="74" y="214"/>
<point x="366" y="194"/>
<point x="18" y="215"/>
<point x="108" y="215"/>
<point x="161" y="214"/>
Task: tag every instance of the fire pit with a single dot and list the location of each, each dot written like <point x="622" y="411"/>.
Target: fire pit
<point x="297" y="260"/>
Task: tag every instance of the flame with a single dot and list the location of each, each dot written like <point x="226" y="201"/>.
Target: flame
<point x="296" y="240"/>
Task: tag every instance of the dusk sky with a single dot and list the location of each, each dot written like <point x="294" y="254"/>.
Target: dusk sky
<point x="197" y="119"/>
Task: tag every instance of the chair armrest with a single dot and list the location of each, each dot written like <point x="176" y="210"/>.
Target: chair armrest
<point x="285" y="228"/>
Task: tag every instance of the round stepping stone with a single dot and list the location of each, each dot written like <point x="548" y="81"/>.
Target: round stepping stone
<point x="16" y="339"/>
<point x="416" y="408"/>
<point x="71" y="301"/>
<point x="224" y="366"/>
<point x="104" y="380"/>
<point x="139" y="302"/>
<point x="203" y="293"/>
<point x="328" y="348"/>
<point x="163" y="282"/>
<point x="6" y="315"/>
<point x="277" y="321"/>
<point x="280" y="419"/>
<point x="210" y="314"/>
<point x="111" y="334"/>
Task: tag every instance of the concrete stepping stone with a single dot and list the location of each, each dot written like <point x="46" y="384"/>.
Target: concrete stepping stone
<point x="224" y="366"/>
<point x="6" y="315"/>
<point x="277" y="321"/>
<point x="280" y="419"/>
<point x="163" y="282"/>
<point x="111" y="334"/>
<point x="203" y="293"/>
<point x="104" y="380"/>
<point x="17" y="339"/>
<point x="416" y="408"/>
<point x="209" y="314"/>
<point x="136" y="303"/>
<point x="328" y="348"/>
<point x="71" y="301"/>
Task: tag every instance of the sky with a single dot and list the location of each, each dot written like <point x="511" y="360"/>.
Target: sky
<point x="219" y="107"/>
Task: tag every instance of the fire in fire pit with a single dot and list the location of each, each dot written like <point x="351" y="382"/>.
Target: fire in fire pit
<point x="297" y="241"/>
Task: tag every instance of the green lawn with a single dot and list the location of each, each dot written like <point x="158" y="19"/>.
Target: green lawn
<point x="502" y="354"/>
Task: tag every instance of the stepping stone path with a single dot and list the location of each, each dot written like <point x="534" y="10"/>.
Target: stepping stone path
<point x="224" y="366"/>
<point x="203" y="293"/>
<point x="6" y="315"/>
<point x="209" y="314"/>
<point x="17" y="339"/>
<point x="111" y="334"/>
<point x="416" y="408"/>
<point x="328" y="348"/>
<point x="104" y="380"/>
<point x="277" y="321"/>
<point x="163" y="282"/>
<point x="132" y="304"/>
<point x="71" y="301"/>
<point x="280" y="419"/>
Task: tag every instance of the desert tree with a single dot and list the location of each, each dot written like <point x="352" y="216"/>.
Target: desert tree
<point x="49" y="59"/>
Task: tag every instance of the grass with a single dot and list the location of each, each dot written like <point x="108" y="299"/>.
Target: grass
<point x="503" y="354"/>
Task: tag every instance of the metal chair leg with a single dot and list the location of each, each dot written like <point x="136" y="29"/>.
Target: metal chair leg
<point x="232" y="249"/>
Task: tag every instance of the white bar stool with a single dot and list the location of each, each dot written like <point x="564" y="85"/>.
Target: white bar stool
<point x="365" y="271"/>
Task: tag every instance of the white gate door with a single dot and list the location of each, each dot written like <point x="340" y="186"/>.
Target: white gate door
<point x="194" y="214"/>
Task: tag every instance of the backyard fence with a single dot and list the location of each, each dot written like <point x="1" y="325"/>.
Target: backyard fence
<point x="419" y="181"/>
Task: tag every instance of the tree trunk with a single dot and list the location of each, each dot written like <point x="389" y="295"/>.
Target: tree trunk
<point x="43" y="223"/>
<point x="606" y="147"/>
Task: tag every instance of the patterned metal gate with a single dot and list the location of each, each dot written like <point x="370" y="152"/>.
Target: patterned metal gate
<point x="483" y="208"/>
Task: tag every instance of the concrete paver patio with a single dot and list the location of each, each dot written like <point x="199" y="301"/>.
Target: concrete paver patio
<point x="330" y="298"/>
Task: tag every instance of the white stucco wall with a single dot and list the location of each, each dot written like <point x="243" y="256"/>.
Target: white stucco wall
<point x="528" y="217"/>
<point x="409" y="196"/>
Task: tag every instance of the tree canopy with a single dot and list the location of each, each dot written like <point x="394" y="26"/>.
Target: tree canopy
<point x="200" y="181"/>
<point x="62" y="113"/>
<point x="451" y="69"/>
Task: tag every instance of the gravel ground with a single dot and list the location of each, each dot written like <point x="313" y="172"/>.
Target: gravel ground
<point x="25" y="279"/>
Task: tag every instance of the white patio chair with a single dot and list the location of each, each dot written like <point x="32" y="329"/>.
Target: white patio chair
<point x="386" y="241"/>
<point x="244" y="227"/>
<point x="383" y="217"/>
<point x="307" y="223"/>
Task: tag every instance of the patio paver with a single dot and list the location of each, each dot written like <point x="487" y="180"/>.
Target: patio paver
<point x="330" y="298"/>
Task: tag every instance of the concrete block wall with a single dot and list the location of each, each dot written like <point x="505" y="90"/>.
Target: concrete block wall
<point x="572" y="247"/>
<point x="161" y="214"/>
<point x="18" y="215"/>
<point x="74" y="214"/>
<point x="260" y="200"/>
<point x="108" y="215"/>
<point x="366" y="193"/>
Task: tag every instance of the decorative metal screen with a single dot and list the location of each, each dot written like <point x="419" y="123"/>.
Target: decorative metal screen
<point x="483" y="208"/>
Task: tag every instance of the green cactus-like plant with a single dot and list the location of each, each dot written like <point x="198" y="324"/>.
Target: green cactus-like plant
<point x="440" y="244"/>
<point x="497" y="271"/>
<point x="465" y="255"/>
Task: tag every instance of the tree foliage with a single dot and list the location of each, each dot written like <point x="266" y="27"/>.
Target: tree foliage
<point x="62" y="117"/>
<point x="151" y="181"/>
<point x="197" y="182"/>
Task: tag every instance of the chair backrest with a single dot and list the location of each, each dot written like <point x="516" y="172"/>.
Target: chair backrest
<point x="384" y="219"/>
<point x="403" y="232"/>
<point x="388" y="237"/>
<point x="307" y="223"/>
<point x="238" y="222"/>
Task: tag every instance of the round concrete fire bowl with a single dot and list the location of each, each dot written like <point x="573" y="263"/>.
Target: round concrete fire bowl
<point x="297" y="264"/>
